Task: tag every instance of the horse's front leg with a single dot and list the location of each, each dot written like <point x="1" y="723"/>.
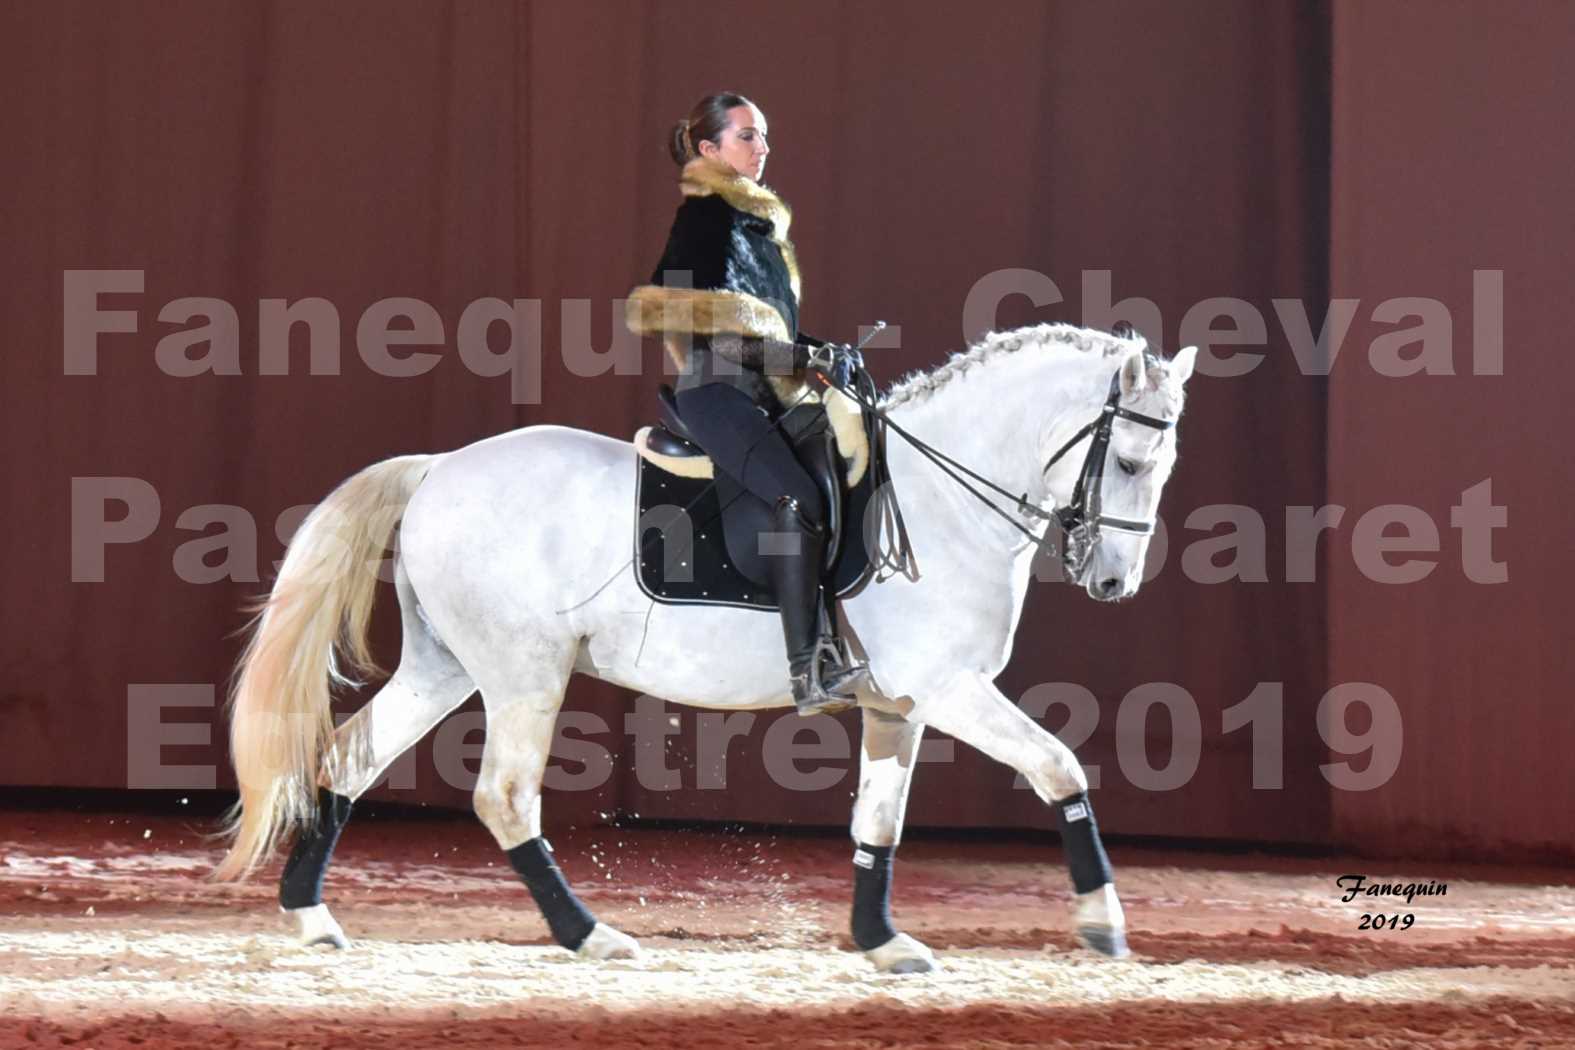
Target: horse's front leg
<point x="889" y="748"/>
<point x="974" y="711"/>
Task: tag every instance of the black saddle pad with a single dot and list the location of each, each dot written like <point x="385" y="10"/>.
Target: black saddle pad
<point x="697" y="540"/>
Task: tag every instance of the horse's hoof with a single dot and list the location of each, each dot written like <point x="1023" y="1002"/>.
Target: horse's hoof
<point x="605" y="942"/>
<point x="1101" y="922"/>
<point x="903" y="954"/>
<point x="316" y="925"/>
<point x="1106" y="940"/>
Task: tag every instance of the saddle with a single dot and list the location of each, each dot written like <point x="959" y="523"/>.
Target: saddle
<point x="698" y="531"/>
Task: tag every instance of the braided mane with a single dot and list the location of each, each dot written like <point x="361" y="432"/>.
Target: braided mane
<point x="920" y="386"/>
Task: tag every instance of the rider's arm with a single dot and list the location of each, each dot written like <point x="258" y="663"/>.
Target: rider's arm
<point x="763" y="355"/>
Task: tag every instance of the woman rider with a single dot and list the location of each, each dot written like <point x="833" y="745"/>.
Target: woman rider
<point x="724" y="298"/>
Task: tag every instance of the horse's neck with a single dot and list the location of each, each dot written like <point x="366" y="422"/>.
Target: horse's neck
<point x="995" y="418"/>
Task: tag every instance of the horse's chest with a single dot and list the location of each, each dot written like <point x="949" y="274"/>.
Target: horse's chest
<point x="952" y="619"/>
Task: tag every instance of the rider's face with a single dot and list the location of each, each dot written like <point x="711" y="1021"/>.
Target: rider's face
<point x="742" y="145"/>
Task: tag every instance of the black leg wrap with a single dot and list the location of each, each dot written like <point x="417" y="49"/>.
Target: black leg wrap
<point x="872" y="896"/>
<point x="301" y="885"/>
<point x="568" y="919"/>
<point x="1085" y="854"/>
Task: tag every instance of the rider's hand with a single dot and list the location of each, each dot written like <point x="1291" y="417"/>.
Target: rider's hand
<point x="837" y="362"/>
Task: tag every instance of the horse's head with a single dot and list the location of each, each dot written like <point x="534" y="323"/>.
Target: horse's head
<point x="1107" y="487"/>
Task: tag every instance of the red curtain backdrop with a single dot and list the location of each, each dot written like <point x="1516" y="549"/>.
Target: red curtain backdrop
<point x="448" y="152"/>
<point x="1448" y="162"/>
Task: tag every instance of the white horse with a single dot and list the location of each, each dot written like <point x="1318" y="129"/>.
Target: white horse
<point x="502" y="542"/>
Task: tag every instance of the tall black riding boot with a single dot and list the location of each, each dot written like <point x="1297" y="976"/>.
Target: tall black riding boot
<point x="794" y="566"/>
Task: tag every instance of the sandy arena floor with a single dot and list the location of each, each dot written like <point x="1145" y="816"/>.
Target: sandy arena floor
<point x="110" y="938"/>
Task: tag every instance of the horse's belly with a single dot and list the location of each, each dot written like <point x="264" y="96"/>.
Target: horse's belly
<point x="707" y="656"/>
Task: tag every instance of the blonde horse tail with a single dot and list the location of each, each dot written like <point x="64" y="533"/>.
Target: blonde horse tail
<point x="309" y="634"/>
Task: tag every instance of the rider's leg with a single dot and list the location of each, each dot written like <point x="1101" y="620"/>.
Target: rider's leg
<point x="815" y="445"/>
<point x="793" y="561"/>
<point x="744" y="444"/>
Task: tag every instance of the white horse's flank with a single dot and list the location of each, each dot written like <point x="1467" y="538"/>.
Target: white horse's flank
<point x="502" y="543"/>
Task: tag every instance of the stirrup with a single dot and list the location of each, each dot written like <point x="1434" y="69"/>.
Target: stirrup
<point x="818" y="701"/>
<point x="814" y="695"/>
<point x="847" y="681"/>
<point x="849" y="675"/>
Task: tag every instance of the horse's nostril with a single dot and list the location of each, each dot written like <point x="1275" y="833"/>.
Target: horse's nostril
<point x="1109" y="586"/>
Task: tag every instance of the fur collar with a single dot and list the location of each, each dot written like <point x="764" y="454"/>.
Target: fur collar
<point x="701" y="178"/>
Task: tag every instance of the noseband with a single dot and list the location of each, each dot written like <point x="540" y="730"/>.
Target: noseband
<point x="1081" y="520"/>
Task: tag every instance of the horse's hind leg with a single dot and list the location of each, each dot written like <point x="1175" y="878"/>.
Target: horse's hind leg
<point x="889" y="748"/>
<point x="522" y="708"/>
<point x="428" y="685"/>
<point x="974" y="711"/>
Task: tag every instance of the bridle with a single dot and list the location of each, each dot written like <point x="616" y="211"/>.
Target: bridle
<point x="1082" y="519"/>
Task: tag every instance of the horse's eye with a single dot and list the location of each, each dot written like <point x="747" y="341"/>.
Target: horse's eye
<point x="1127" y="466"/>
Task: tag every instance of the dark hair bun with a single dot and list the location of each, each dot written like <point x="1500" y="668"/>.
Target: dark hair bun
<point x="678" y="143"/>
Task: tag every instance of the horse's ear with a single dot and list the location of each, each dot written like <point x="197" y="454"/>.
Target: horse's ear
<point x="1124" y="330"/>
<point x="1181" y="364"/>
<point x="1134" y="374"/>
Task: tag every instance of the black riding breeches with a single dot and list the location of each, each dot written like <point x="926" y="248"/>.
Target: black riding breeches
<point x="743" y="443"/>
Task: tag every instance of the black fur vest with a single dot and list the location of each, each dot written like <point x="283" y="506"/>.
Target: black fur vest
<point x="728" y="267"/>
